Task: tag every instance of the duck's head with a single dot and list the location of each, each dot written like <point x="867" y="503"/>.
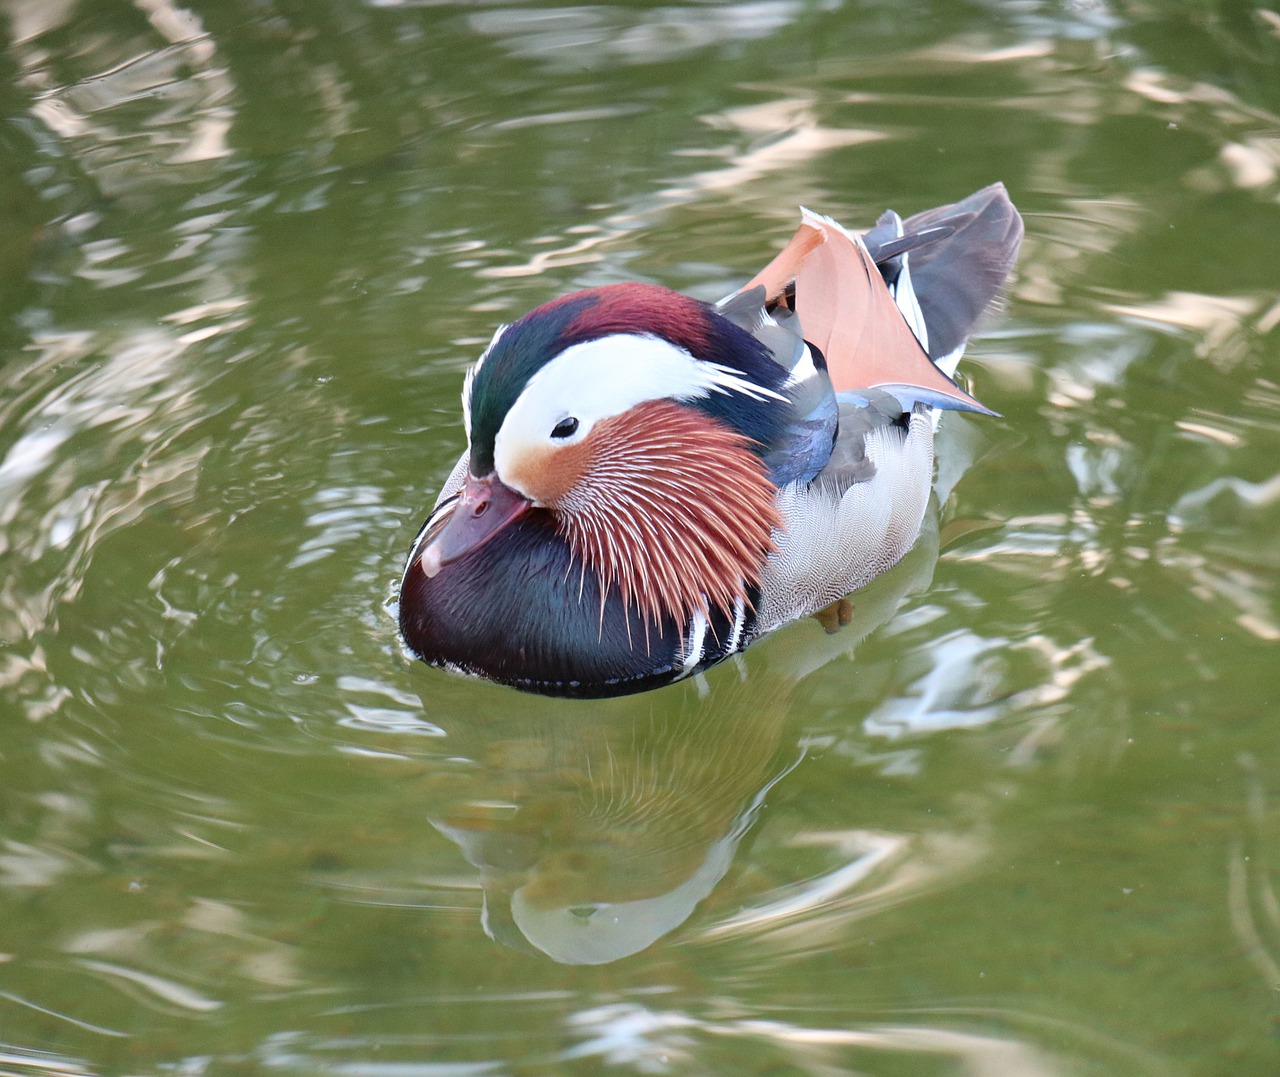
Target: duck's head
<point x="637" y="418"/>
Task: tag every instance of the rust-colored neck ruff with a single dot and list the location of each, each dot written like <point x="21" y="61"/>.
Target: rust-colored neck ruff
<point x="673" y="508"/>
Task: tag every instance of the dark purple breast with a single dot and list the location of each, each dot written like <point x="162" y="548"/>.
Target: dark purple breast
<point x="521" y="611"/>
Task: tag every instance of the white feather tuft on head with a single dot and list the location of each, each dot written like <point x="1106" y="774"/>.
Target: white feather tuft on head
<point x="601" y="378"/>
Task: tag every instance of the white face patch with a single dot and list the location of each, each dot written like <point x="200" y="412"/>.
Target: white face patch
<point x="605" y="377"/>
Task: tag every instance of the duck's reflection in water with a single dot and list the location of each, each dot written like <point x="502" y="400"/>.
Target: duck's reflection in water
<point x="626" y="827"/>
<point x="597" y="828"/>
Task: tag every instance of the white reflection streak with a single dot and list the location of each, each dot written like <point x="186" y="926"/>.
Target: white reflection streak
<point x="879" y="850"/>
<point x="31" y="18"/>
<point x="1217" y="318"/>
<point x="1252" y="164"/>
<point x="35" y="1061"/>
<point x="26" y="865"/>
<point x="660" y="1041"/>
<point x="803" y="139"/>
<point x="342" y="515"/>
<point x="982" y="1056"/>
<point x="18" y="1000"/>
<point x="579" y="253"/>
<point x="404" y="718"/>
<point x="936" y="700"/>
<point x="267" y="961"/>
<point x="1168" y="89"/>
<point x="1239" y="906"/>
<point x="822" y="913"/>
<point x="1249" y="591"/>
<point x="198" y="119"/>
<point x="566" y="38"/>
<point x="1253" y="494"/>
<point x="181" y="26"/>
<point x="125" y="391"/>
<point x="1240" y="588"/>
<point x="27" y="457"/>
<point x="217" y="310"/>
<point x="1242" y="921"/>
<point x="166" y="990"/>
<point x="625" y="1034"/>
<point x="956" y="667"/>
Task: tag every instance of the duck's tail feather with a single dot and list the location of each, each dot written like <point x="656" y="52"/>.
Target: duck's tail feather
<point x="893" y="308"/>
<point x="957" y="278"/>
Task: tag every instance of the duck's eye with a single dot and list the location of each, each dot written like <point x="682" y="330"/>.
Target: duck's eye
<point x="565" y="428"/>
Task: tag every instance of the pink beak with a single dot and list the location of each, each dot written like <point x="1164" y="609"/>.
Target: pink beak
<point x="484" y="507"/>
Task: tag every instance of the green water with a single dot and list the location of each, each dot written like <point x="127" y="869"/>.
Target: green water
<point x="1020" y="818"/>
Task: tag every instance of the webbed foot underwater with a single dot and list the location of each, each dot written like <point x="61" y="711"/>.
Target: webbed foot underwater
<point x="652" y="482"/>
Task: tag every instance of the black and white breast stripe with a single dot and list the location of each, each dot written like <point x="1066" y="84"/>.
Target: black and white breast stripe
<point x="709" y="641"/>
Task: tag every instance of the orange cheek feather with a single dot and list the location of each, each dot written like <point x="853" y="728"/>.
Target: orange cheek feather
<point x="548" y="473"/>
<point x="664" y="502"/>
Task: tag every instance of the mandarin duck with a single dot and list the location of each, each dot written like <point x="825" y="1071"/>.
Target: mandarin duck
<point x="653" y="482"/>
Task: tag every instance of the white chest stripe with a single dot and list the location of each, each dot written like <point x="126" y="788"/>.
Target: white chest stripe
<point x="694" y="642"/>
<point x="739" y="619"/>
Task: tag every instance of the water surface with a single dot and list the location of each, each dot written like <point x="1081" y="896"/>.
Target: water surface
<point x="1020" y="818"/>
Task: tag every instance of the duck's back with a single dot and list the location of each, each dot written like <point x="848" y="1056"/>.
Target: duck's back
<point x="891" y="365"/>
